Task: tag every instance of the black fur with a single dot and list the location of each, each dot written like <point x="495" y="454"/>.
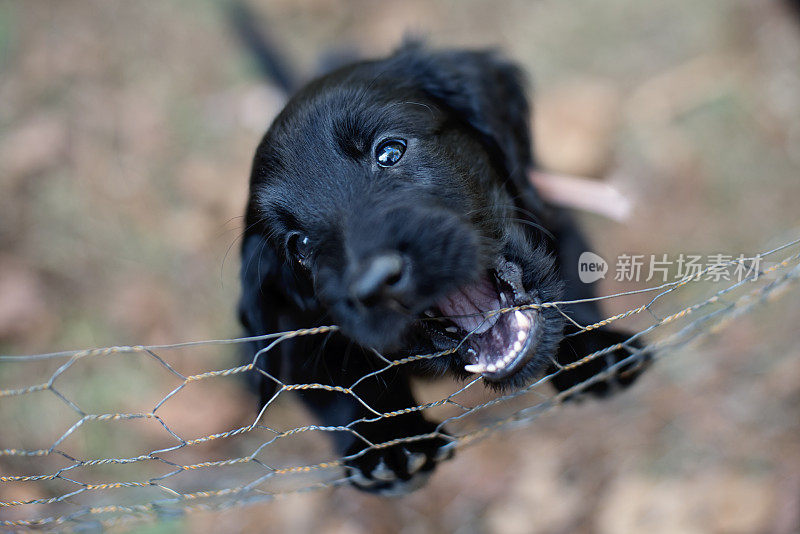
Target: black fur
<point x="456" y="202"/>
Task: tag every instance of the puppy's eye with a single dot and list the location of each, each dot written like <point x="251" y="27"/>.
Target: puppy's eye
<point x="299" y="246"/>
<point x="389" y="152"/>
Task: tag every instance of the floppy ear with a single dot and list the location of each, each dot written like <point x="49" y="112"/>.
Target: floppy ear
<point x="486" y="91"/>
<point x="259" y="307"/>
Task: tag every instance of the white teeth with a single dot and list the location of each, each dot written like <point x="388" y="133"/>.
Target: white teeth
<point x="503" y="297"/>
<point x="451" y="329"/>
<point x="523" y="323"/>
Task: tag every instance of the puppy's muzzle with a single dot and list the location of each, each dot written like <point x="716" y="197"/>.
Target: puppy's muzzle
<point x="381" y="277"/>
<point x="393" y="264"/>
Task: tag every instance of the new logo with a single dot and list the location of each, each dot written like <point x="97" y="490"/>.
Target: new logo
<point x="591" y="267"/>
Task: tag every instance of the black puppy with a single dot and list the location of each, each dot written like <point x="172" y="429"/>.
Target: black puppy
<point x="391" y="198"/>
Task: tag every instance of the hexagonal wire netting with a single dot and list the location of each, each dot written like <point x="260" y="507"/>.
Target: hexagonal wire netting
<point x="78" y="473"/>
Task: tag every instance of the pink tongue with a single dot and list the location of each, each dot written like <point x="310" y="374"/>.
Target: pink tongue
<point x="471" y="303"/>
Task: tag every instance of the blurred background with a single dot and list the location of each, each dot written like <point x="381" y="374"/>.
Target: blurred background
<point x="126" y="135"/>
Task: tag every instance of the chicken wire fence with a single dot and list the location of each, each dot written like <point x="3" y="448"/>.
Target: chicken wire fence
<point x="111" y="466"/>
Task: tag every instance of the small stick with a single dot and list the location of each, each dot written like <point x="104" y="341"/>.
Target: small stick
<point x="582" y="193"/>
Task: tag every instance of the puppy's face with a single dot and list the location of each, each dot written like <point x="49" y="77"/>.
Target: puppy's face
<point x="393" y="215"/>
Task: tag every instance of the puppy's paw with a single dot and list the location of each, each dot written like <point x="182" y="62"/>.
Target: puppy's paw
<point x="606" y="374"/>
<point x="399" y="468"/>
<point x="622" y="376"/>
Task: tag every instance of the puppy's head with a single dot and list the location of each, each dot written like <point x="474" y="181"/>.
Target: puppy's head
<point x="391" y="195"/>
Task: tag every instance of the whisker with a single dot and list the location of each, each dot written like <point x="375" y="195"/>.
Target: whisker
<point x="234" y="241"/>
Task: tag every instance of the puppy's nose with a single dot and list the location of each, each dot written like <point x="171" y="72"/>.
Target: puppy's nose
<point x="381" y="276"/>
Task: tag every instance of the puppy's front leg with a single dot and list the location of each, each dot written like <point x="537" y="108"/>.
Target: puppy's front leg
<point x="388" y="446"/>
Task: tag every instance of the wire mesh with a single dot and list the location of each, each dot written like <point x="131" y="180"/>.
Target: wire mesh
<point x="81" y="480"/>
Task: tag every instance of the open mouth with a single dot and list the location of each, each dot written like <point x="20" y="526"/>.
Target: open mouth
<point x="495" y="341"/>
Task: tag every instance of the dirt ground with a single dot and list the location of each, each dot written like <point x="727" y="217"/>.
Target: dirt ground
<point x="126" y="135"/>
